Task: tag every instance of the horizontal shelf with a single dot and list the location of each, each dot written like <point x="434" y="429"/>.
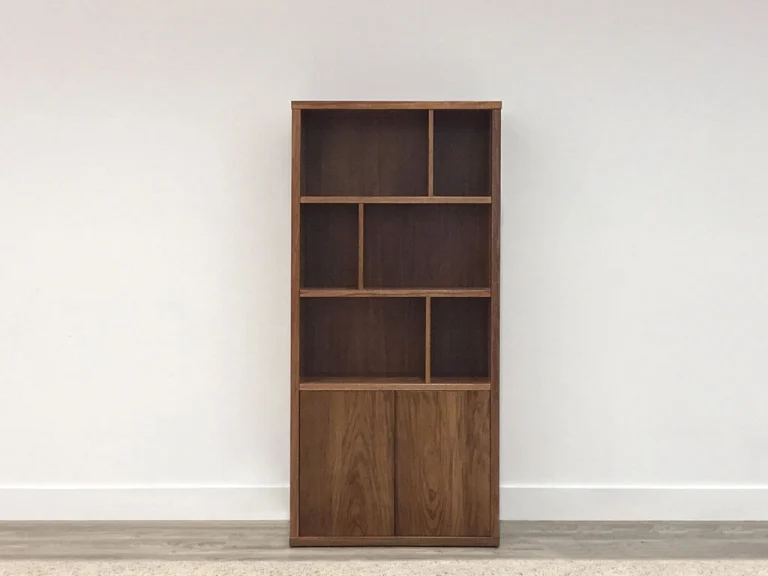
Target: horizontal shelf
<point x="395" y="384"/>
<point x="394" y="105"/>
<point x="395" y="199"/>
<point x="463" y="381"/>
<point x="395" y="292"/>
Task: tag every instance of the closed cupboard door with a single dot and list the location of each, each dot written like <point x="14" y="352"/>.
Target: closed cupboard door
<point x="443" y="471"/>
<point x="347" y="463"/>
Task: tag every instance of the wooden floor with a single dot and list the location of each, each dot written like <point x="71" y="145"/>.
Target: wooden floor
<point x="269" y="541"/>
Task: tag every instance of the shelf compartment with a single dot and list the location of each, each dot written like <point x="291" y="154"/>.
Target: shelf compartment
<point x="462" y="141"/>
<point x="395" y="199"/>
<point x="460" y="339"/>
<point x="329" y="241"/>
<point x="364" y="152"/>
<point x="397" y="293"/>
<point x="442" y="246"/>
<point x="360" y="338"/>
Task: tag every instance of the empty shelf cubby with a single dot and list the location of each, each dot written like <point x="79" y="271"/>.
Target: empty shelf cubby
<point x="462" y="153"/>
<point x="365" y="152"/>
<point x="427" y="246"/>
<point x="329" y="245"/>
<point x="361" y="338"/>
<point x="460" y="338"/>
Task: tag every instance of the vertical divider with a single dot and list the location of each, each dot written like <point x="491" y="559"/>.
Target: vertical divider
<point x="428" y="341"/>
<point x="431" y="154"/>
<point x="360" y="243"/>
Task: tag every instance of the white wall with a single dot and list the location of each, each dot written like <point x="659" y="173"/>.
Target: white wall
<point x="144" y="244"/>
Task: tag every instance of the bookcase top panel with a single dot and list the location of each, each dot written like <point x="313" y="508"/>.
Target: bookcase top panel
<point x="394" y="105"/>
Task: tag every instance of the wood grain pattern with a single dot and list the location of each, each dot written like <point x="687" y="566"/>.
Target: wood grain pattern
<point x="365" y="153"/>
<point x="362" y="337"/>
<point x="347" y="463"/>
<point x="360" y="244"/>
<point x="495" y="319"/>
<point x="431" y="155"/>
<point x="445" y="541"/>
<point x="329" y="250"/>
<point x="395" y="200"/>
<point x="440" y="246"/>
<point x="460" y="338"/>
<point x="395" y="384"/>
<point x="428" y="337"/>
<point x="244" y="541"/>
<point x="461" y="153"/>
<point x="442" y="465"/>
<point x="394" y="105"/>
<point x="295" y="324"/>
<point x="396" y="293"/>
<point x="395" y="323"/>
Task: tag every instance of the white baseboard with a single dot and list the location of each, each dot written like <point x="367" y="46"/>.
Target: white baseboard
<point x="524" y="502"/>
<point x="628" y="503"/>
<point x="145" y="503"/>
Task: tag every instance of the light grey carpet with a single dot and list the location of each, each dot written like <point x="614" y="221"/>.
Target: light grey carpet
<point x="390" y="568"/>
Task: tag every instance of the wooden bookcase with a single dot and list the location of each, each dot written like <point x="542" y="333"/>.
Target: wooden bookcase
<point x="395" y="323"/>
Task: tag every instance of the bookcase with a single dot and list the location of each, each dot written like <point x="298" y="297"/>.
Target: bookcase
<point x="395" y="323"/>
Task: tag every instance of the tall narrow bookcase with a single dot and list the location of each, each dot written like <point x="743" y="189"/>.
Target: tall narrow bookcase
<point x="395" y="324"/>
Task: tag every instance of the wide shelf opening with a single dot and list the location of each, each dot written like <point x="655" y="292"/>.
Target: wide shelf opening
<point x="416" y="246"/>
<point x="365" y="152"/>
<point x="460" y="339"/>
<point x="361" y="338"/>
<point x="462" y="142"/>
<point x="329" y="237"/>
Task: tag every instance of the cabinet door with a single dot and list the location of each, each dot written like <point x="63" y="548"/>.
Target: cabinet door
<point x="346" y="474"/>
<point x="443" y="476"/>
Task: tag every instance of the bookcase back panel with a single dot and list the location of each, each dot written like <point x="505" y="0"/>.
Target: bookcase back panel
<point x="362" y="338"/>
<point x="462" y="153"/>
<point x="460" y="338"/>
<point x="365" y="152"/>
<point x="438" y="246"/>
<point x="329" y="246"/>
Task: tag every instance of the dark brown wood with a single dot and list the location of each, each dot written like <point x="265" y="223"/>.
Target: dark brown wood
<point x="428" y="338"/>
<point x="461" y="153"/>
<point x="440" y="246"/>
<point x="346" y="381"/>
<point x="329" y="252"/>
<point x="365" y="153"/>
<point x="460" y="337"/>
<point x="360" y="244"/>
<point x="443" y="455"/>
<point x="495" y="326"/>
<point x="362" y="337"/>
<point x="395" y="105"/>
<point x="431" y="171"/>
<point x="482" y="383"/>
<point x="396" y="293"/>
<point x="476" y="541"/>
<point x="395" y="200"/>
<point x="295" y="299"/>
<point x="395" y="324"/>
<point x="395" y="384"/>
<point x="347" y="463"/>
